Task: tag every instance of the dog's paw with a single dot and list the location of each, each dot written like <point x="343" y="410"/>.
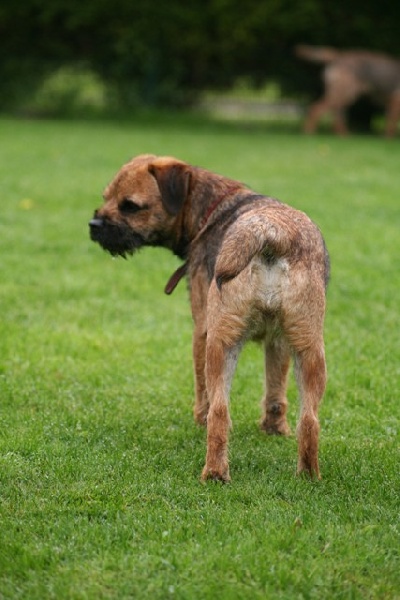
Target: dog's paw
<point x="274" y="418"/>
<point x="274" y="427"/>
<point x="215" y="474"/>
<point x="308" y="470"/>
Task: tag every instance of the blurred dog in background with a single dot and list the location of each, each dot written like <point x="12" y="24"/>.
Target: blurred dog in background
<point x="347" y="76"/>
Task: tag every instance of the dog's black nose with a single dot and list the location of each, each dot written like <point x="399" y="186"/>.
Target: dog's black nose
<point x="96" y="223"/>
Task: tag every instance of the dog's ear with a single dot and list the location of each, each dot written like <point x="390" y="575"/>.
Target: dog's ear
<point x="173" y="180"/>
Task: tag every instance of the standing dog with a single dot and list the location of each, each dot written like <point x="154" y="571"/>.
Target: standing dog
<point x="349" y="75"/>
<point x="257" y="270"/>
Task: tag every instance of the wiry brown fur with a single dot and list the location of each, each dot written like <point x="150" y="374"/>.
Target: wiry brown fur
<point x="256" y="268"/>
<point x="349" y="75"/>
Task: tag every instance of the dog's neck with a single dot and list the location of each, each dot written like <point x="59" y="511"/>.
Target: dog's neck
<point x="233" y="187"/>
<point x="204" y="222"/>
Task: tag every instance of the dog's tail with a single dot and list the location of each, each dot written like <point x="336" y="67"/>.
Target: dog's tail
<point x="268" y="232"/>
<point x="318" y="54"/>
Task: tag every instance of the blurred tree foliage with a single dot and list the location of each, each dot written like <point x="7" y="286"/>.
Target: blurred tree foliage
<point x="154" y="52"/>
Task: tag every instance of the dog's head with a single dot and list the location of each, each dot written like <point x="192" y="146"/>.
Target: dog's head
<point x="141" y="204"/>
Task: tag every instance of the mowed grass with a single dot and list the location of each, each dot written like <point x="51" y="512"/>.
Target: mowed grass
<point x="100" y="458"/>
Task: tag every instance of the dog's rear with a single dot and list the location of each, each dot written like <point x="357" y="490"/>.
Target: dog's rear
<point x="271" y="273"/>
<point x="268" y="229"/>
<point x="349" y="75"/>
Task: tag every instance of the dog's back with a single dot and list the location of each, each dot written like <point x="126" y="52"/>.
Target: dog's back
<point x="379" y="72"/>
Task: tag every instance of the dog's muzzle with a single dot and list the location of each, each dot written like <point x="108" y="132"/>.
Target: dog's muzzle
<point x="118" y="239"/>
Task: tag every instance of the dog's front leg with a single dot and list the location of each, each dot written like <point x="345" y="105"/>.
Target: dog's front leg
<point x="277" y="360"/>
<point x="198" y="297"/>
<point x="200" y="409"/>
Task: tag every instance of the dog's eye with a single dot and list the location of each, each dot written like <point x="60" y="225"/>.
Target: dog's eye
<point x="129" y="207"/>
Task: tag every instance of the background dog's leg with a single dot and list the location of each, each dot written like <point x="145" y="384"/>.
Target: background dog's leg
<point x="339" y="121"/>
<point x="321" y="108"/>
<point x="310" y="371"/>
<point x="315" y="113"/>
<point x="392" y="115"/>
<point x="277" y="360"/>
<point x="221" y="364"/>
<point x="342" y="89"/>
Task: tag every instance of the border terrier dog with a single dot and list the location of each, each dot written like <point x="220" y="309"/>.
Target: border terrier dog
<point x="256" y="268"/>
<point x="349" y="75"/>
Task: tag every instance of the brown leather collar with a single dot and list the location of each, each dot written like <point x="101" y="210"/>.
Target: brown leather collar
<point x="175" y="278"/>
<point x="182" y="270"/>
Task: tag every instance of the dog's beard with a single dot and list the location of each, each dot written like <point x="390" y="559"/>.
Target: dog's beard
<point x="118" y="240"/>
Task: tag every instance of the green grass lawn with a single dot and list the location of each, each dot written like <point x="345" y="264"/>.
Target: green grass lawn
<point x="100" y="459"/>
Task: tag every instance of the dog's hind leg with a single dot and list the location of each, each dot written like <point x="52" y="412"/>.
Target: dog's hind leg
<point x="310" y="371"/>
<point x="224" y="342"/>
<point x="274" y="404"/>
<point x="221" y="365"/>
